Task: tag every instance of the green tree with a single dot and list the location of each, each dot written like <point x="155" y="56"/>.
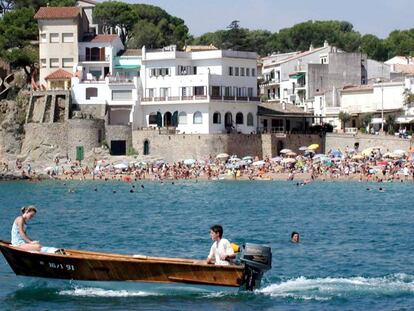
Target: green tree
<point x="344" y="117"/>
<point x="146" y="33"/>
<point x="391" y="123"/>
<point x="400" y="42"/>
<point x="115" y="15"/>
<point x="374" y="47"/>
<point x="19" y="29"/>
<point x="168" y="29"/>
<point x="365" y="119"/>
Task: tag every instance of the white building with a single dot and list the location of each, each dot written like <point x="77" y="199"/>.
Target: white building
<point x="213" y="91"/>
<point x="378" y="99"/>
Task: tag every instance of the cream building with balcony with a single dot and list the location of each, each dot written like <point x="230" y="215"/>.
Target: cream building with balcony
<point x="60" y="30"/>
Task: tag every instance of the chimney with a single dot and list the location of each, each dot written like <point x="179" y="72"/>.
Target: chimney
<point x="311" y="47"/>
<point x="284" y="105"/>
<point x="325" y="44"/>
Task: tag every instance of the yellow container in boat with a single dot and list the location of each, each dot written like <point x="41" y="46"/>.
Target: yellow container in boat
<point x="236" y="248"/>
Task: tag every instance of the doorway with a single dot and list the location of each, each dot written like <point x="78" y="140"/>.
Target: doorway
<point x="118" y="147"/>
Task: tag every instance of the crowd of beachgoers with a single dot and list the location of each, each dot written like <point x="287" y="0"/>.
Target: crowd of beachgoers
<point x="304" y="165"/>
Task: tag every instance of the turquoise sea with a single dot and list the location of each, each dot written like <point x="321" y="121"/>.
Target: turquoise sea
<point x="356" y="250"/>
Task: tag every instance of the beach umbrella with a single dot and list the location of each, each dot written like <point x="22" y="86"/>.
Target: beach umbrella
<point x="313" y="146"/>
<point x="258" y="163"/>
<point x="240" y="163"/>
<point x="367" y="151"/>
<point x="49" y="168"/>
<point x="247" y="158"/>
<point x="285" y="150"/>
<point x="276" y="159"/>
<point x="357" y="157"/>
<point x="303" y="148"/>
<point x="336" y="153"/>
<point x="222" y="156"/>
<point x="289" y="160"/>
<point x="140" y="163"/>
<point x="399" y="152"/>
<point x="291" y="154"/>
<point x="189" y="161"/>
<point x="121" y="166"/>
<point x="235" y="159"/>
<point x="319" y="155"/>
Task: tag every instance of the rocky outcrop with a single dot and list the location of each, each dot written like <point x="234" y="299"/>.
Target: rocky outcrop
<point x="12" y="117"/>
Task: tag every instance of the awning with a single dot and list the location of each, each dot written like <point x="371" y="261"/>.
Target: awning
<point x="268" y="70"/>
<point x="296" y="75"/>
<point x="127" y="66"/>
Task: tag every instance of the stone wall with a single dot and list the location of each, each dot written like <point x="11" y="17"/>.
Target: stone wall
<point x="96" y="111"/>
<point x="179" y="147"/>
<point x="84" y="132"/>
<point x="119" y="132"/>
<point x="386" y="142"/>
<point x="45" y="141"/>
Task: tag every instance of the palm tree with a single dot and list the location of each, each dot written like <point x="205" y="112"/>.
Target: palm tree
<point x="344" y="117"/>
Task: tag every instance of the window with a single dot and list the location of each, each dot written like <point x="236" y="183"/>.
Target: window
<point x="217" y="118"/>
<point x="182" y="118"/>
<point x="186" y="70"/>
<point x="67" y="62"/>
<point x="227" y="91"/>
<point x="152" y="118"/>
<point x="156" y="72"/>
<point x="43" y="63"/>
<point x="43" y="38"/>
<point x="247" y="72"/>
<point x="121" y="95"/>
<point x="164" y="91"/>
<point x="149" y="92"/>
<point x="67" y="37"/>
<point x="236" y="71"/>
<point x="54" y="63"/>
<point x="249" y="119"/>
<point x="197" y="118"/>
<point x="253" y="72"/>
<point x="230" y="71"/>
<point x="91" y="92"/>
<point x="199" y="90"/>
<point x="250" y="92"/>
<point x="239" y="118"/>
<point x="54" y="38"/>
<point x="242" y="71"/>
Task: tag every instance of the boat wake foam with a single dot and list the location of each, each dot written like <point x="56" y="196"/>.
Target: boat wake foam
<point x="321" y="289"/>
<point x="100" y="292"/>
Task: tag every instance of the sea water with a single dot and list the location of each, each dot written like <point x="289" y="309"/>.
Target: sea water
<point x="355" y="253"/>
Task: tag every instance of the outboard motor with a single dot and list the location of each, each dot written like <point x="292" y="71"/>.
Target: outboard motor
<point x="257" y="260"/>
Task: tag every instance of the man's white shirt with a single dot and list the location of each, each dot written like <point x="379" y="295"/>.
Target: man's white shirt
<point x="219" y="249"/>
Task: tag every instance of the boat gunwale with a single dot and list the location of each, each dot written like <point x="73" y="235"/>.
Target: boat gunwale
<point x="89" y="255"/>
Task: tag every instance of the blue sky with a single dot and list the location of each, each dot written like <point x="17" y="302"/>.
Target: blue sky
<point x="377" y="17"/>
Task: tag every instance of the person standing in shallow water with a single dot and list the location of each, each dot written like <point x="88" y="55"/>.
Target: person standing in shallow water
<point x="19" y="237"/>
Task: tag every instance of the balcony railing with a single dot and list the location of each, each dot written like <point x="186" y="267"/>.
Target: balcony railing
<point x="200" y="97"/>
<point x="83" y="58"/>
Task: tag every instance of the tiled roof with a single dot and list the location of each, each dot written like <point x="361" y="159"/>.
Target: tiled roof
<point x="131" y="52"/>
<point x="357" y="88"/>
<point x="100" y="38"/>
<point x="57" y="13"/>
<point x="59" y="74"/>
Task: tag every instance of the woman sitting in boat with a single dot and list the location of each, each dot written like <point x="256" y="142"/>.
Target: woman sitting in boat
<point x="19" y="237"/>
<point x="221" y="252"/>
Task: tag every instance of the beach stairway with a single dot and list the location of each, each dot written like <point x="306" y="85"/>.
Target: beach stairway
<point x="48" y="106"/>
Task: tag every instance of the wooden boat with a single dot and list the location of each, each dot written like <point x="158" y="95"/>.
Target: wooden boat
<point x="94" y="266"/>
